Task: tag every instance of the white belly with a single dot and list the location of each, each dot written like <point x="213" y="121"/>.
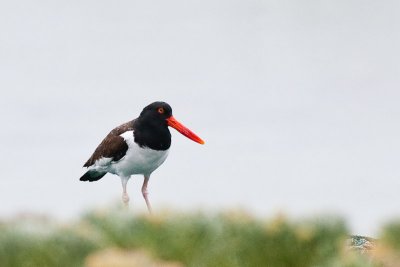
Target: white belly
<point x="138" y="160"/>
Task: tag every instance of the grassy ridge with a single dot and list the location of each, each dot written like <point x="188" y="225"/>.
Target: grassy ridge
<point x="228" y="239"/>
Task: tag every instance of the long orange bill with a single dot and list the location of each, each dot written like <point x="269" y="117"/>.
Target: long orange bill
<point x="183" y="130"/>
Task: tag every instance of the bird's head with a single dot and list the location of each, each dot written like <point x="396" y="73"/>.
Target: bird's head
<point x="161" y="113"/>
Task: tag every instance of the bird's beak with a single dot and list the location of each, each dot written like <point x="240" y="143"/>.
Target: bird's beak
<point x="183" y="130"/>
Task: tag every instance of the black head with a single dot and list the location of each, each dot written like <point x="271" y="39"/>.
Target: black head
<point x="157" y="111"/>
<point x="151" y="128"/>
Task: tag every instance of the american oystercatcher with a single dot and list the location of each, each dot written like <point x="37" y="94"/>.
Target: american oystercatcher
<point x="137" y="147"/>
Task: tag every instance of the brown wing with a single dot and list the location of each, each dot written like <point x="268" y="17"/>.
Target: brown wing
<point x="113" y="146"/>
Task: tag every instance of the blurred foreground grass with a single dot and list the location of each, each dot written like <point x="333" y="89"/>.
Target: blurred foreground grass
<point x="116" y="238"/>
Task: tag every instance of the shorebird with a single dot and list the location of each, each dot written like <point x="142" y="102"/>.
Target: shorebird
<point x="139" y="146"/>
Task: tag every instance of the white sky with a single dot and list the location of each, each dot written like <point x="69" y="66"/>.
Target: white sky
<point x="298" y="102"/>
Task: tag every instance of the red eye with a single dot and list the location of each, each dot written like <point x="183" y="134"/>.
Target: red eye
<point x="160" y="110"/>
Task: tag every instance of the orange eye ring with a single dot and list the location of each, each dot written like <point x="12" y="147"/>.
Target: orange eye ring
<point x="160" y="110"/>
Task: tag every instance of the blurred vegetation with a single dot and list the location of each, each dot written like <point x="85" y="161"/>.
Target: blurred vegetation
<point x="117" y="238"/>
<point x="391" y="235"/>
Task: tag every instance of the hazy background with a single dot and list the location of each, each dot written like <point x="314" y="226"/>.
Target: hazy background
<point x="298" y="102"/>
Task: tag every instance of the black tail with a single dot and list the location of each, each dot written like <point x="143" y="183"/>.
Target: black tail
<point x="92" y="176"/>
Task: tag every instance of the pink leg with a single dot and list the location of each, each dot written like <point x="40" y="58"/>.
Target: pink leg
<point x="125" y="197"/>
<point x="145" y="193"/>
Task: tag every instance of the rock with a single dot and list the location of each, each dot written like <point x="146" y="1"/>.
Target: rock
<point x="361" y="243"/>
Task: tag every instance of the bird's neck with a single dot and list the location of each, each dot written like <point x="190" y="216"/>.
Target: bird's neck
<point x="152" y="135"/>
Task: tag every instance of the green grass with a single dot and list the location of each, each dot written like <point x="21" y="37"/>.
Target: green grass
<point x="226" y="239"/>
<point x="391" y="235"/>
<point x="59" y="247"/>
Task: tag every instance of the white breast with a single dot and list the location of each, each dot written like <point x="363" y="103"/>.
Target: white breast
<point x="138" y="160"/>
